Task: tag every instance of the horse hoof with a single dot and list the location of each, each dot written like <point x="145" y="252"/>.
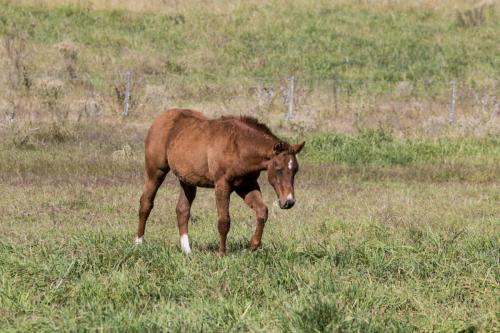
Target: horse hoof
<point x="254" y="246"/>
<point x="139" y="240"/>
<point x="186" y="249"/>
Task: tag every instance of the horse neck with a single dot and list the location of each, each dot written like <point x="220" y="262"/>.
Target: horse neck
<point x="259" y="150"/>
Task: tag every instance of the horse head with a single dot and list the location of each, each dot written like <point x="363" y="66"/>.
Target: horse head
<point x="281" y="171"/>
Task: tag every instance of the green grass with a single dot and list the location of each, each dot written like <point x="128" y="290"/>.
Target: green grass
<point x="376" y="147"/>
<point x="371" y="49"/>
<point x="370" y="247"/>
<point x="388" y="281"/>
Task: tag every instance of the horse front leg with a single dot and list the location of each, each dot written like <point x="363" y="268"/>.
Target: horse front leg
<point x="252" y="196"/>
<point x="222" y="194"/>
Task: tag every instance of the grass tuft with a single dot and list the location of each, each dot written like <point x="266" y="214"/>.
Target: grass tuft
<point x="376" y="147"/>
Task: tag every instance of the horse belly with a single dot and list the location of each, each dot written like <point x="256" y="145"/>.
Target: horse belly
<point x="195" y="180"/>
<point x="190" y="165"/>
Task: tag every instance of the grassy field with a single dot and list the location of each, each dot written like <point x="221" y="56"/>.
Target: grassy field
<point x="375" y="246"/>
<point x="397" y="223"/>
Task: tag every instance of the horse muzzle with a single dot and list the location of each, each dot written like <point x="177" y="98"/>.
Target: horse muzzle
<point x="288" y="203"/>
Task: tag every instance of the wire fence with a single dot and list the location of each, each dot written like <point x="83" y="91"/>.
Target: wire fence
<point x="132" y="91"/>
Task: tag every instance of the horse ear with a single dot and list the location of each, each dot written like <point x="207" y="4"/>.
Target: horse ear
<point x="280" y="147"/>
<point x="298" y="147"/>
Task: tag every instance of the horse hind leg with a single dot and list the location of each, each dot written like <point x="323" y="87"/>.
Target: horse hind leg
<point x="183" y="210"/>
<point x="153" y="182"/>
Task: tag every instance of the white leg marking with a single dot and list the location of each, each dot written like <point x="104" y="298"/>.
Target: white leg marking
<point x="289" y="197"/>
<point x="290" y="164"/>
<point x="185" y="244"/>
<point x="139" y="240"/>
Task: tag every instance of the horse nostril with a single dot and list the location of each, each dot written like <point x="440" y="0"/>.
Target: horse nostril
<point x="288" y="204"/>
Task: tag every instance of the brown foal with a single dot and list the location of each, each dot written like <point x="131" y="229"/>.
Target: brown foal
<point x="227" y="154"/>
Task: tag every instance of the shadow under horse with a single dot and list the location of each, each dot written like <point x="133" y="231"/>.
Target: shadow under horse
<point x="227" y="154"/>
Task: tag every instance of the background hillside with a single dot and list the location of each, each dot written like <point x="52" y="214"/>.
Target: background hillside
<point x="359" y="65"/>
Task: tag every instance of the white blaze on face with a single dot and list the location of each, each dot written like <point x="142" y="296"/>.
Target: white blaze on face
<point x="290" y="164"/>
<point x="139" y="240"/>
<point x="185" y="244"/>
<point x="289" y="197"/>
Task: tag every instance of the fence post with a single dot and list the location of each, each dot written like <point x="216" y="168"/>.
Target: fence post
<point x="127" y="93"/>
<point x="335" y="97"/>
<point x="260" y="96"/>
<point x="291" y="87"/>
<point x="451" y="111"/>
<point x="496" y="108"/>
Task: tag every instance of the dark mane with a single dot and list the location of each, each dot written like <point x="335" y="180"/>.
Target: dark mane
<point x="253" y="123"/>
